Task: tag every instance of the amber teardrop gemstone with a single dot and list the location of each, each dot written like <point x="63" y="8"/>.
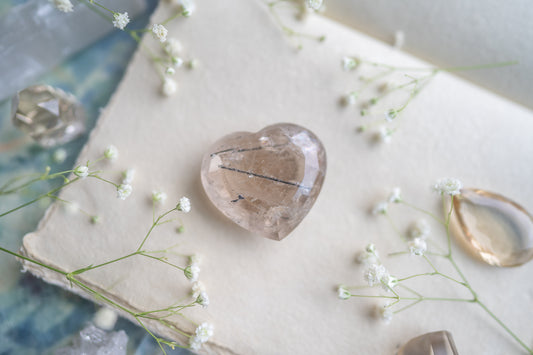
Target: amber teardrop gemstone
<point x="266" y="182"/>
<point x="493" y="227"/>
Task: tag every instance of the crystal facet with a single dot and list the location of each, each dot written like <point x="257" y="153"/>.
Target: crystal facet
<point x="434" y="343"/>
<point x="493" y="227"/>
<point x="266" y="182"/>
<point x="92" y="340"/>
<point x="48" y="115"/>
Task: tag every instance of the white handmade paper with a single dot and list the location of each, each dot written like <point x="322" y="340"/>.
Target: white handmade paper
<point x="280" y="297"/>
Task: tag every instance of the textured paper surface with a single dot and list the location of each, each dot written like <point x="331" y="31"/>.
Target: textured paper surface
<point x="279" y="297"/>
<point x="455" y="33"/>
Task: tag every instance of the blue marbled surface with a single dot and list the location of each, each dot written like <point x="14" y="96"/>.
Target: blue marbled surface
<point x="36" y="318"/>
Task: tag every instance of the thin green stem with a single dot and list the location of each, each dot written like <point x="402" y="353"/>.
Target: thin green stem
<point x="422" y="211"/>
<point x="101" y="6"/>
<point x="20" y="256"/>
<point x="154" y="224"/>
<point x="161" y="260"/>
<point x="104" y="180"/>
<point x="48" y="194"/>
<point x="448" y="69"/>
<point x="505" y="327"/>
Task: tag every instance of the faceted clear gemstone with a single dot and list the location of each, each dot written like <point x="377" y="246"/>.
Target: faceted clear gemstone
<point x="48" y="115"/>
<point x="493" y="227"/>
<point x="266" y="182"/>
<point x="434" y="343"/>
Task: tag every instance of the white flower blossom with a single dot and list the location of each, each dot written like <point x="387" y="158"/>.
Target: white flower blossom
<point x="111" y="152"/>
<point x="448" y="186"/>
<point x="184" y="205"/>
<point x="120" y="20"/>
<point x="187" y="7"/>
<point x="59" y="156"/>
<point x="386" y="314"/>
<point x="202" y="334"/>
<point x="158" y="196"/>
<point x="375" y="273"/>
<point x="105" y="318"/>
<point x="419" y="229"/>
<point x="314" y="4"/>
<point x="388" y="282"/>
<point x="193" y="64"/>
<point x="381" y="208"/>
<point x="170" y="71"/>
<point x="169" y="87"/>
<point x="173" y="47"/>
<point x="197" y="288"/>
<point x="195" y="259"/>
<point x="349" y="63"/>
<point x="159" y="32"/>
<point x="368" y="256"/>
<point x="384" y="134"/>
<point x="177" y="62"/>
<point x="371" y="248"/>
<point x="123" y="191"/>
<point x="396" y="195"/>
<point x="203" y="299"/>
<point x="81" y="171"/>
<point x="351" y="98"/>
<point x="192" y="272"/>
<point x="417" y="246"/>
<point x="63" y="5"/>
<point x="343" y="293"/>
<point x="390" y="115"/>
<point x="128" y="175"/>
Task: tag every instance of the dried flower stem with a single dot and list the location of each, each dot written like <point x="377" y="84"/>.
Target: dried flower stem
<point x="448" y="255"/>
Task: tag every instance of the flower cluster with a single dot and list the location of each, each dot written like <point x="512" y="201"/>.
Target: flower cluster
<point x="375" y="272"/>
<point x="184" y="205"/>
<point x="63" y="5"/>
<point x="448" y="186"/>
<point x="192" y="271"/>
<point x="158" y="196"/>
<point x="383" y="206"/>
<point x="120" y="20"/>
<point x="201" y="335"/>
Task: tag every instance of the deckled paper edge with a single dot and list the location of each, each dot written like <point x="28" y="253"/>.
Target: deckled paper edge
<point x="56" y="279"/>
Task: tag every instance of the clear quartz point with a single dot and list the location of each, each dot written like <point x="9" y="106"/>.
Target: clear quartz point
<point x="492" y="227"/>
<point x="434" y="343"/>
<point x="48" y="115"/>
<point x="266" y="182"/>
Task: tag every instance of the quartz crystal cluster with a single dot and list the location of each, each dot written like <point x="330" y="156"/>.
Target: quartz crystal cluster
<point x="94" y="341"/>
<point x="48" y="115"/>
<point x="266" y="182"/>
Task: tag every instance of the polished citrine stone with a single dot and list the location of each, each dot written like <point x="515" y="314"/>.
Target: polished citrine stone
<point x="266" y="182"/>
<point x="496" y="229"/>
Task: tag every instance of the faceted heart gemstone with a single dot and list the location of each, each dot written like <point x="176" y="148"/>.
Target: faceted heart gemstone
<point x="266" y="182"/>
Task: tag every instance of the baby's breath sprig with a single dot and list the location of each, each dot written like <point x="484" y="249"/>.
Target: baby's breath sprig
<point x="400" y="295"/>
<point x="166" y="64"/>
<point x="191" y="270"/>
<point x="303" y="8"/>
<point x="405" y="82"/>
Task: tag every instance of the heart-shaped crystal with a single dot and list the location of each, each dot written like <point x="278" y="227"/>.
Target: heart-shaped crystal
<point x="266" y="182"/>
